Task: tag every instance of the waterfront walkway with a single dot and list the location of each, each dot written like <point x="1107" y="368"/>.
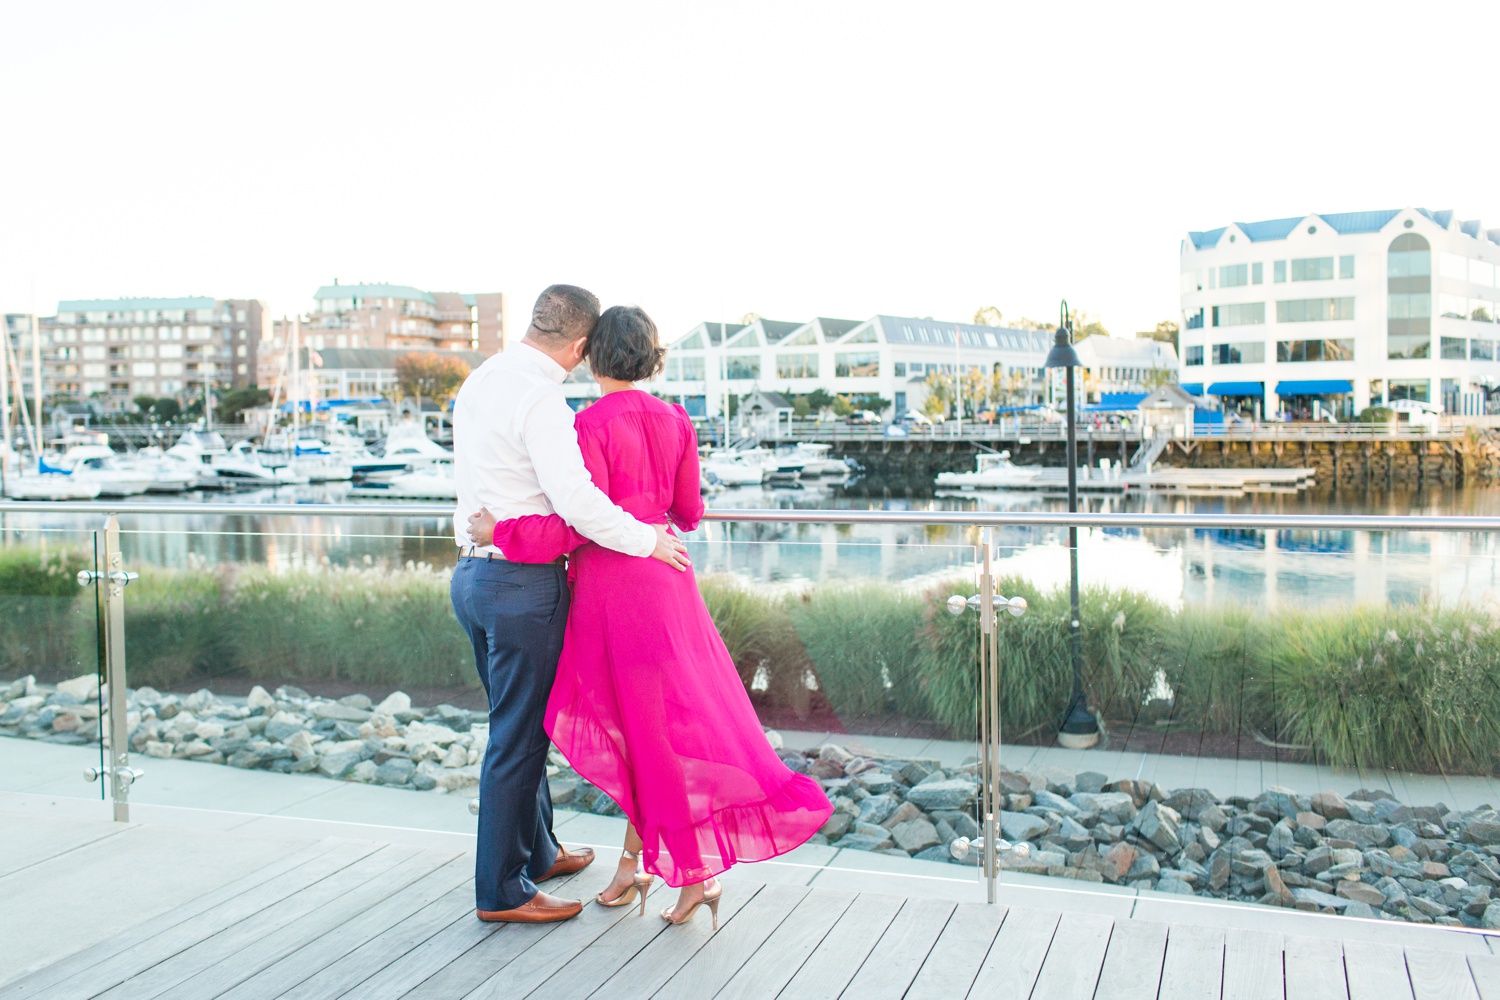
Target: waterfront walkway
<point x="309" y="916"/>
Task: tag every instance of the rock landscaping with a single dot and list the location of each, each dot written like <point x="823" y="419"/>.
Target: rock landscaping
<point x="1362" y="854"/>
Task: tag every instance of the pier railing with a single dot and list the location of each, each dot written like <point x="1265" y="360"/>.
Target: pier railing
<point x="1300" y="710"/>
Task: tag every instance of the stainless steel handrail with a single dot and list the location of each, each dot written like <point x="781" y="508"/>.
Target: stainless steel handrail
<point x="959" y="518"/>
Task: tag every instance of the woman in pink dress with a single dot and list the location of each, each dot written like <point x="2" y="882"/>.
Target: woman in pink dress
<point x="647" y="704"/>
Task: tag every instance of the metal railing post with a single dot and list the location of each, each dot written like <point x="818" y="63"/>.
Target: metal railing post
<point x="109" y="580"/>
<point x="989" y="713"/>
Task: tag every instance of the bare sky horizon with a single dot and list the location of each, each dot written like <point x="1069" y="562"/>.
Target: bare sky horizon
<point x="708" y="160"/>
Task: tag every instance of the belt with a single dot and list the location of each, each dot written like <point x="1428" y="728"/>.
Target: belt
<point x="472" y="552"/>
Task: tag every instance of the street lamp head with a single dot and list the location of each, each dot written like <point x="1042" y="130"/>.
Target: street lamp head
<point x="1062" y="354"/>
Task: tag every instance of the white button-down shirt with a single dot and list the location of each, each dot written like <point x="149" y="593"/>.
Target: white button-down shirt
<point x="515" y="453"/>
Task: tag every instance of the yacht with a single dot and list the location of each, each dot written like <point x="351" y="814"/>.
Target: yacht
<point x="733" y="468"/>
<point x="50" y="486"/>
<point x="350" y="450"/>
<point x="97" y="463"/>
<point x="433" y="482"/>
<point x="991" y="472"/>
<point x="818" y="460"/>
<point x="245" y="465"/>
<point x="408" y="442"/>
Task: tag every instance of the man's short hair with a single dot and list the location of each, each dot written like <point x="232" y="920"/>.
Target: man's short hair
<point x="624" y="345"/>
<point x="563" y="314"/>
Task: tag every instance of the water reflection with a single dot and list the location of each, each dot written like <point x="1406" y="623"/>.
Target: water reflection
<point x="1294" y="567"/>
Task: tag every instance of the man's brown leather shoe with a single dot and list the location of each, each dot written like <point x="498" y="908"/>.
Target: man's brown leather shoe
<point x="569" y="862"/>
<point x="540" y="909"/>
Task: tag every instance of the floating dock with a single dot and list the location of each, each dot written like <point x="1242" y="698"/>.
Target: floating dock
<point x="1166" y="480"/>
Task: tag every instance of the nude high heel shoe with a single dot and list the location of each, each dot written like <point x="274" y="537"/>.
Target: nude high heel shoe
<point x="710" y="897"/>
<point x="640" y="884"/>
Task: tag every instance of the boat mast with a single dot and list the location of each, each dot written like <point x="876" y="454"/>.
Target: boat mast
<point x="36" y="381"/>
<point x="294" y="396"/>
<point x="5" y="397"/>
<point x="20" y="398"/>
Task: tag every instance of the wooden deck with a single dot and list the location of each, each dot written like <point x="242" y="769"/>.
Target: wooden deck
<point x="357" y="919"/>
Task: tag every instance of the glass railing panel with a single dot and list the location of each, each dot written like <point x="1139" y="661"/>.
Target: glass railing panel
<point x="862" y="678"/>
<point x="1302" y="718"/>
<point x="51" y="709"/>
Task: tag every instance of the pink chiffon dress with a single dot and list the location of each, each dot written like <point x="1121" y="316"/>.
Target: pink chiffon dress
<point x="648" y="705"/>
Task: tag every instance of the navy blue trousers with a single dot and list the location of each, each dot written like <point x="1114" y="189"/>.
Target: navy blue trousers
<point x="514" y="614"/>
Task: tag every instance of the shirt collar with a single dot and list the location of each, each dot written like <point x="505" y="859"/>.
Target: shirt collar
<point x="528" y="355"/>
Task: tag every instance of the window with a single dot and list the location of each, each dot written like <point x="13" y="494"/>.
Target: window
<point x="1451" y="265"/>
<point x="1278" y="271"/>
<point x="808" y="336"/>
<point x="1481" y="272"/>
<point x="798" y="366"/>
<point x="1314" y="310"/>
<point x="1315" y="350"/>
<point x="1213" y="278"/>
<point x="1409" y="298"/>
<point x="1234" y="275"/>
<point x="739" y="366"/>
<point x="865" y="336"/>
<point x="1194" y="322"/>
<point x="856" y="364"/>
<point x="695" y="342"/>
<point x="1257" y="274"/>
<point x="1312" y="269"/>
<point x="1481" y="350"/>
<point x="1240" y="314"/>
<point x="1419" y="389"/>
<point x="1346" y="266"/>
<point x="1454" y="348"/>
<point x="1481" y="310"/>
<point x="899" y="369"/>
<point x="1193" y="355"/>
<point x="1453" y="306"/>
<point x="684" y="369"/>
<point x="1377" y="391"/>
<point x="1245" y="353"/>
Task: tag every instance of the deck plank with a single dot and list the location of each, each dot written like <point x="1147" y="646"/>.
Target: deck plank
<point x="1016" y="956"/>
<point x="410" y="969"/>
<point x="479" y="963"/>
<point x="958" y="953"/>
<point x="893" y="962"/>
<point x="1314" y="969"/>
<point x="1253" y="966"/>
<point x="714" y="964"/>
<point x="777" y="961"/>
<point x="1486" y="972"/>
<point x="227" y="944"/>
<point x="1439" y="975"/>
<point x="830" y="967"/>
<point x="135" y="937"/>
<point x="1075" y="958"/>
<point x="1377" y="972"/>
<point x="1194" y="963"/>
<point x="1133" y="961"/>
<point x="330" y="918"/>
<point x="231" y="911"/>
<point x="534" y="966"/>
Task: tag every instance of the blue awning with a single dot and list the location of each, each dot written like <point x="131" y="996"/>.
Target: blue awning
<point x="1192" y="388"/>
<point x="1237" y="389"/>
<point x="1314" y="387"/>
<point x="1121" y="400"/>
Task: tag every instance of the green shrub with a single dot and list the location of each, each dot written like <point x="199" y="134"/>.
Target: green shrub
<point x="862" y="640"/>
<point x="1410" y="687"/>
<point x="759" y="635"/>
<point x="45" y="627"/>
<point x="1211" y="657"/>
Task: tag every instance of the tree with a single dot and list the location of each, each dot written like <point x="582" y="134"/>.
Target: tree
<point x="166" y="409"/>
<point x="144" y="403"/>
<point x="872" y="402"/>
<point x="234" y="402"/>
<point x="939" y="395"/>
<point x="1085" y="325"/>
<point x="1165" y="332"/>
<point x="842" y="407"/>
<point x="436" y="376"/>
<point x="987" y="316"/>
<point x="820" y="400"/>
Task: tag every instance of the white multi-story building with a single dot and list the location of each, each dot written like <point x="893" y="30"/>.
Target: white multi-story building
<point x="1334" y="313"/>
<point x="886" y="356"/>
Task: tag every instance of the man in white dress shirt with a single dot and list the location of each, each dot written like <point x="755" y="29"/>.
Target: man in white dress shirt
<point x="515" y="453"/>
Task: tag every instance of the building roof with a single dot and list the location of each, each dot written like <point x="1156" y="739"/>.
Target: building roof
<point x="379" y="359"/>
<point x="910" y="330"/>
<point x="834" y="328"/>
<point x="1343" y="223"/>
<point x="1170" y="395"/>
<point x="372" y="292"/>
<point x="764" y="399"/>
<point x="778" y="330"/>
<point x="122" y="305"/>
<point x="1126" y="351"/>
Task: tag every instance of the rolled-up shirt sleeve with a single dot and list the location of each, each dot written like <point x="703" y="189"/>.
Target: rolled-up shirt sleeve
<point x="547" y="427"/>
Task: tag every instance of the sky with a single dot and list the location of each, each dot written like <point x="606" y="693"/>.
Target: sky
<point x="708" y="160"/>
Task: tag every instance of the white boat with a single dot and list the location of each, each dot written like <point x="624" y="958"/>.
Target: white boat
<point x="344" y="447"/>
<point x="819" y="462"/>
<point x="733" y="468"/>
<point x="243" y="464"/>
<point x="436" y="482"/>
<point x="991" y="472"/>
<point x="409" y="443"/>
<point x="98" y="463"/>
<point x="50" y="486"/>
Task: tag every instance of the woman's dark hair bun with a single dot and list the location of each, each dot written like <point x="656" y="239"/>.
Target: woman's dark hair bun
<point x="624" y="345"/>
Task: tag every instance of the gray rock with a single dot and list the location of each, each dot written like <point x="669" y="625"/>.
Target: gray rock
<point x="1159" y="824"/>
<point x="952" y="793"/>
<point x="1055" y="803"/>
<point x="1355" y="909"/>
<point x="1113" y="806"/>
<point x="1482" y="832"/>
<point x="864" y="841"/>
<point x="838" y="824"/>
<point x="877" y="808"/>
<point x="1491" y="918"/>
<point x="915" y="835"/>
<point x="1322" y="900"/>
<point x="339" y="713"/>
<point x="1361" y="834"/>
<point x="875" y="782"/>
<point x="1020" y="826"/>
<point x="1280" y="840"/>
<point x="336" y="765"/>
<point x="364" y="771"/>
<point x="1090" y="781"/>
<point x="399" y="771"/>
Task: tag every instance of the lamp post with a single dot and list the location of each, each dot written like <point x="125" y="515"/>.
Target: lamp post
<point x="1079" y="729"/>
